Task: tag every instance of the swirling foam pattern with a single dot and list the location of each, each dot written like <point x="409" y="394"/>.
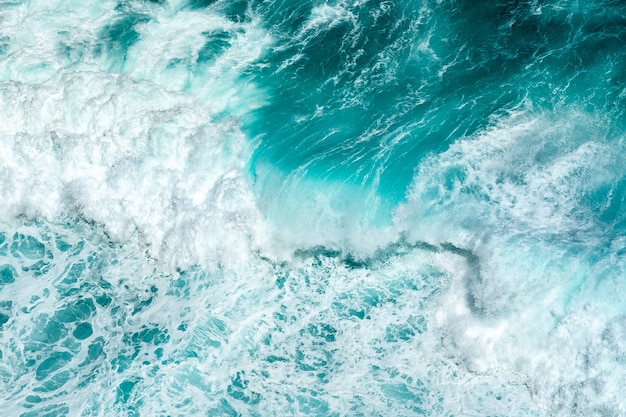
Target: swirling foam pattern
<point x="324" y="208"/>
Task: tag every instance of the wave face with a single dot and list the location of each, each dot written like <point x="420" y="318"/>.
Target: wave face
<point x="274" y="208"/>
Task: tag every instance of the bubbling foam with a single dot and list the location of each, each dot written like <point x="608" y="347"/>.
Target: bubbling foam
<point x="497" y="284"/>
<point x="129" y="155"/>
<point x="124" y="114"/>
<point x="514" y="201"/>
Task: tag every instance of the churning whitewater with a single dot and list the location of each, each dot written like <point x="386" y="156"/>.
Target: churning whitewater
<point x="312" y="208"/>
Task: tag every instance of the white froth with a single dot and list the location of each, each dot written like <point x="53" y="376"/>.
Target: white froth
<point x="514" y="316"/>
<point x="326" y="15"/>
<point x="529" y="172"/>
<point x="129" y="155"/>
<point x="130" y="151"/>
<point x="542" y="290"/>
<point x="169" y="50"/>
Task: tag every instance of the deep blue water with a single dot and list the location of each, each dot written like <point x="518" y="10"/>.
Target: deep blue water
<point x="276" y="208"/>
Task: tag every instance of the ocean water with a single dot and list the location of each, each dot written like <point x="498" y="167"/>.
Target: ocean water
<point x="312" y="208"/>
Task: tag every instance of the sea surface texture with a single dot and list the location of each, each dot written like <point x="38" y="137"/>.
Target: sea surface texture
<point x="312" y="208"/>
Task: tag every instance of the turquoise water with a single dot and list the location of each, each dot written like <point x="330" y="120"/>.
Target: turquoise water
<point x="275" y="208"/>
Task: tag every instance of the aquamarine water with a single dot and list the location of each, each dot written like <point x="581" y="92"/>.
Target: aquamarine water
<point x="312" y="208"/>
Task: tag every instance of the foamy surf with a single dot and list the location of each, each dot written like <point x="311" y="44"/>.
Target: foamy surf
<point x="275" y="208"/>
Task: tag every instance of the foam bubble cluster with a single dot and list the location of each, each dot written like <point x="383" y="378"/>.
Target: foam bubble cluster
<point x="129" y="155"/>
<point x="520" y="203"/>
<point x="218" y="207"/>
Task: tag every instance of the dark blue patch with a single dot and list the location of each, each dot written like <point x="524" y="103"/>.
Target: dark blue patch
<point x="216" y="43"/>
<point x="120" y="35"/>
<point x="7" y="274"/>
<point x="83" y="331"/>
<point x="54" y="362"/>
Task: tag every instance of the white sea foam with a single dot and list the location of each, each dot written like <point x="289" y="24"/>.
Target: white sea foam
<point x="130" y="156"/>
<point x="130" y="151"/>
<point x="537" y="304"/>
<point x="504" y="294"/>
<point x="169" y="54"/>
<point x="504" y="317"/>
<point x="326" y="16"/>
<point x="532" y="173"/>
